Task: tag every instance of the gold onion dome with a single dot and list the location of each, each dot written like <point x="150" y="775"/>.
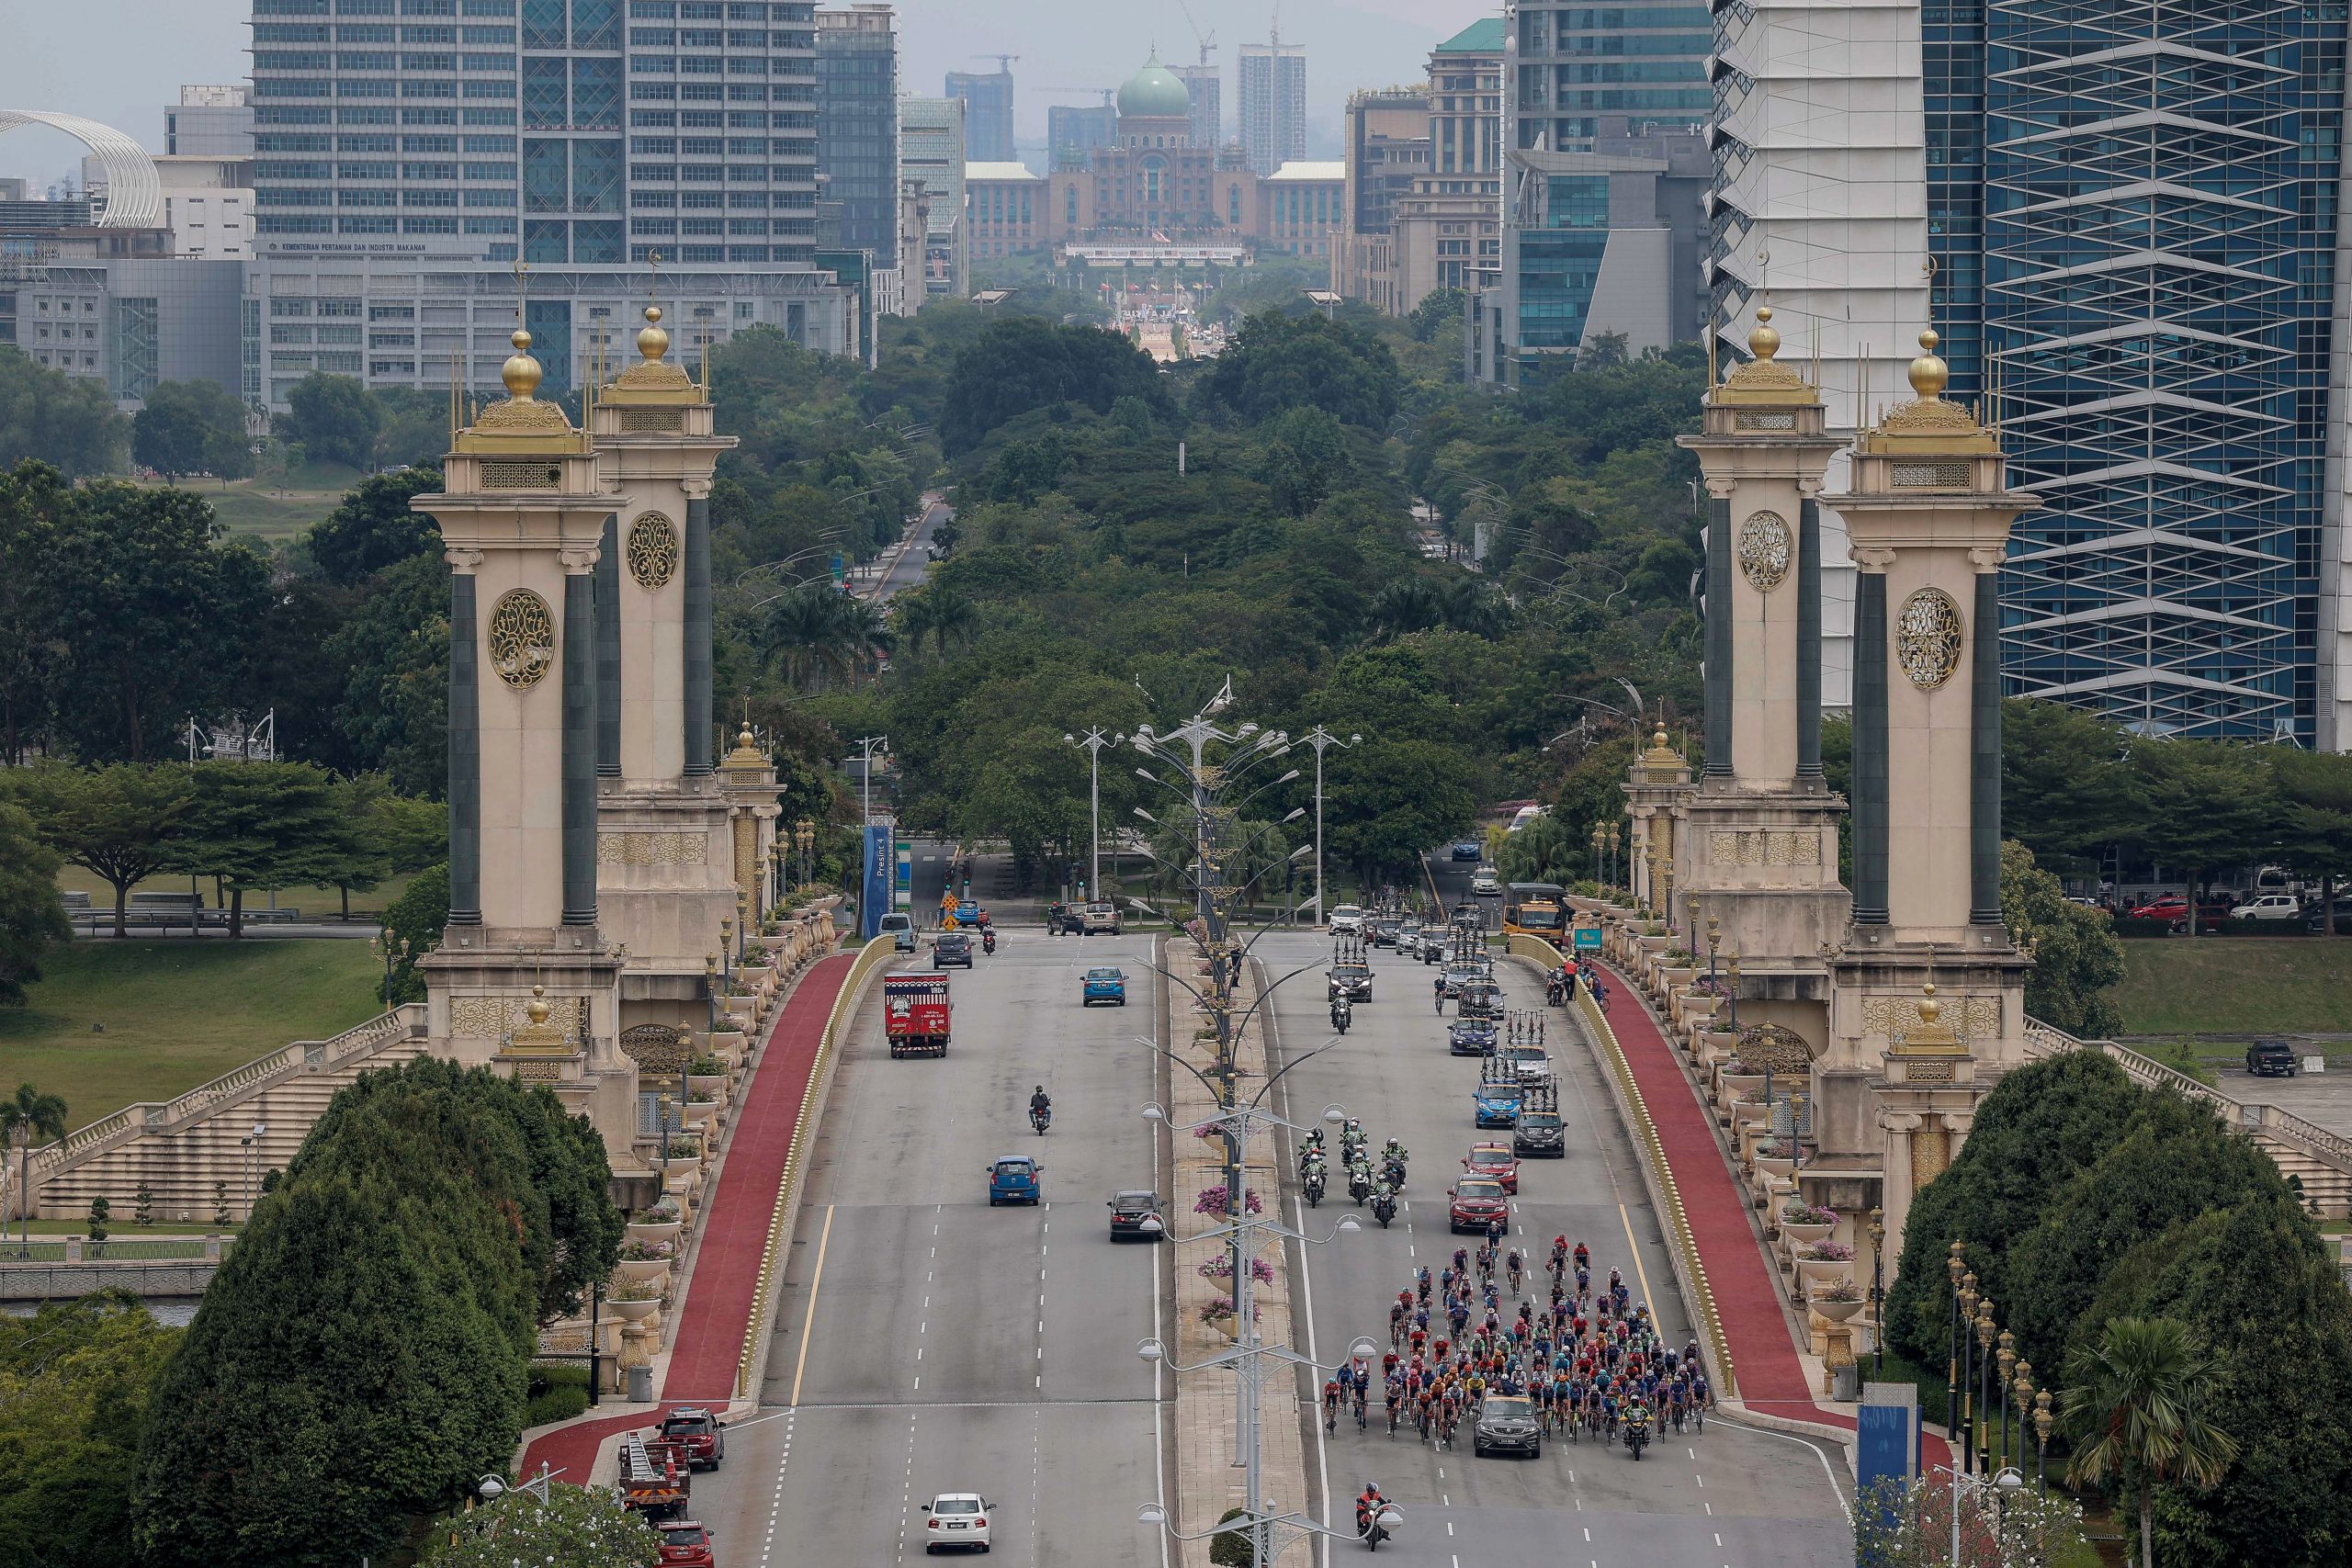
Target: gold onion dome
<point x="651" y="341"/>
<point x="1929" y="374"/>
<point x="521" y="372"/>
<point x="536" y="1008"/>
<point x="1763" y="378"/>
<point x="1926" y="413"/>
<point x="1765" y="341"/>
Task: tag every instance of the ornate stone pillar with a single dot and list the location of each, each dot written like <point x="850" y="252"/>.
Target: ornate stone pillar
<point x="465" y="742"/>
<point x="698" y="632"/>
<point x="1985" y="723"/>
<point x="1809" y="633"/>
<point x="580" y="708"/>
<point x="1870" y="736"/>
<point x="1719" y="674"/>
<point x="608" y="651"/>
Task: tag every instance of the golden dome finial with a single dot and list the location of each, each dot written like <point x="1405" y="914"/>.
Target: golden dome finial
<point x="536" y="1008"/>
<point x="653" y="341"/>
<point x="1931" y="1010"/>
<point x="1929" y="374"/>
<point x="521" y="372"/>
<point x="1764" y="342"/>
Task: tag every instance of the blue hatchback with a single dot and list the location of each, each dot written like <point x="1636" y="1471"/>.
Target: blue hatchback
<point x="1015" y="1179"/>
<point x="1497" y="1104"/>
<point x="1104" y="986"/>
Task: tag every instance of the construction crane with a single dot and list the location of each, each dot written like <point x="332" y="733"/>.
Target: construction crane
<point x="1004" y="62"/>
<point x="1207" y="41"/>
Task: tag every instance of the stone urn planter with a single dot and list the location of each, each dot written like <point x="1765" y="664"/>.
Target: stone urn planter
<point x="652" y="1231"/>
<point x="1821" y="1270"/>
<point x="1675" y="976"/>
<point x="1835" y="1312"/>
<point x="1775" y="1165"/>
<point x="680" y="1166"/>
<point x="707" y="1085"/>
<point x="1803" y="1234"/>
<point x="635" y="1312"/>
<point x="643" y="1268"/>
<point x="1731" y="1086"/>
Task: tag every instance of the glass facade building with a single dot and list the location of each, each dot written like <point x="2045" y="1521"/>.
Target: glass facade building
<point x="987" y="113"/>
<point x="857" y="125"/>
<point x="1572" y="64"/>
<point x="2133" y="214"/>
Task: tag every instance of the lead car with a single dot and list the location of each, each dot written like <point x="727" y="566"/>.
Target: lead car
<point x="959" y="1521"/>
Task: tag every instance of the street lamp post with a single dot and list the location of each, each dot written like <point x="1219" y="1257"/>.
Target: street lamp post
<point x="2042" y="1421"/>
<point x="1322" y="739"/>
<point x="2006" y="1360"/>
<point x="870" y="742"/>
<point x="1954" y="1267"/>
<point x="2000" y="1487"/>
<point x="2021" y="1395"/>
<point x="1094" y="740"/>
<point x="804" y="834"/>
<point x="1731" y="972"/>
<point x="1878" y="1289"/>
<point x="1612" y="854"/>
<point x="1966" y="1329"/>
<point x="1984" y="1377"/>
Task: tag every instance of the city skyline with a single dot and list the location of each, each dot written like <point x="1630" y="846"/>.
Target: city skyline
<point x="1065" y="49"/>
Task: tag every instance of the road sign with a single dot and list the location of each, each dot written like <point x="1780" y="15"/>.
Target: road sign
<point x="1588" y="938"/>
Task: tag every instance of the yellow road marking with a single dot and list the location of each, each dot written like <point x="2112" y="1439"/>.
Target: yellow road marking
<point x="1639" y="1272"/>
<point x="800" y="1362"/>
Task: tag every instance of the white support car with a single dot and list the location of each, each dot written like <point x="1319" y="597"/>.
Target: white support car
<point x="956" y="1521"/>
<point x="2270" y="906"/>
<point x="1347" y="920"/>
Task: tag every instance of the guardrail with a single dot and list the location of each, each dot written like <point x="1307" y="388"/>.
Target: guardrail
<point x="872" y="956"/>
<point x="2305" y="1137"/>
<point x="80" y="1251"/>
<point x="362" y="1038"/>
<point x="1669" y="1194"/>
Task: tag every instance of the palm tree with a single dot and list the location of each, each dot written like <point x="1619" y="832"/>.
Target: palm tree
<point x="1408" y="604"/>
<point x="2134" y="1407"/>
<point x="30" y="1115"/>
<point x="814" y="628"/>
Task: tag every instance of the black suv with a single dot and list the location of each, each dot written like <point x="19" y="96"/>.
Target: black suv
<point x="951" y="947"/>
<point x="2270" y="1057"/>
<point x="1539" y="1132"/>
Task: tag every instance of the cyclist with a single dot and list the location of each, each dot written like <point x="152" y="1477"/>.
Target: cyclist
<point x="1512" y="1266"/>
<point x="1331" y="1404"/>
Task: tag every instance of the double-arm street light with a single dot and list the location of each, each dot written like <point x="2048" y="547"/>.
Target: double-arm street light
<point x="1094" y="740"/>
<point x="1322" y="741"/>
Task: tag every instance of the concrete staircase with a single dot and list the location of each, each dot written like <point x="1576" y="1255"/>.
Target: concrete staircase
<point x="2320" y="1159"/>
<point x="189" y="1152"/>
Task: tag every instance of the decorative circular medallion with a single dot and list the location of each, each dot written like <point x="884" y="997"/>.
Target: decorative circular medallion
<point x="1928" y="637"/>
<point x="522" y="637"/>
<point x="1764" y="549"/>
<point x="653" y="550"/>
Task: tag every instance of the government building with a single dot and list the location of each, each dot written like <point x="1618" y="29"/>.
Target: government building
<point x="1155" y="193"/>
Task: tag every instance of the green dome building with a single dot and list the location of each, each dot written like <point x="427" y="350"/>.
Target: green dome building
<point x="1154" y="93"/>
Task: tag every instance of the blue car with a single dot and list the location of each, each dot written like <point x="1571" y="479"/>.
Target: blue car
<point x="1469" y="850"/>
<point x="1471" y="1037"/>
<point x="1015" y="1179"/>
<point x="1497" y="1105"/>
<point x="1104" y="986"/>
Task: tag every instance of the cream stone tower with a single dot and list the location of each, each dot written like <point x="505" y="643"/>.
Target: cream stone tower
<point x="1929" y="515"/>
<point x="1756" y="861"/>
<point x="524" y="978"/>
<point x="666" y="854"/>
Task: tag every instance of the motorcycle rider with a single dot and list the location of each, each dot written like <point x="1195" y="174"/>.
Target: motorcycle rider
<point x="1041" y="1104"/>
<point x="988" y="939"/>
<point x="1342" y="1014"/>
<point x="1368" y="1502"/>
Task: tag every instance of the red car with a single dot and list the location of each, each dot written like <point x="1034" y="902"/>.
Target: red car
<point x="699" y="1433"/>
<point x="1494" y="1162"/>
<point x="2172" y="910"/>
<point x="685" y="1544"/>
<point x="1477" y="1202"/>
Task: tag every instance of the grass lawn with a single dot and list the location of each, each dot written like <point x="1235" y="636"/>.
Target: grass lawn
<point x="280" y="509"/>
<point x="316" y="903"/>
<point x="177" y="1013"/>
<point x="2236" y="985"/>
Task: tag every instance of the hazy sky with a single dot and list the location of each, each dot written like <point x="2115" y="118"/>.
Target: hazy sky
<point x="121" y="61"/>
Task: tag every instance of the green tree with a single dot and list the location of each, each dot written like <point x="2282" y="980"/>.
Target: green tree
<point x="2076" y="955"/>
<point x="1306" y="458"/>
<point x="32" y="915"/>
<point x="413" y="924"/>
<point x="192" y="427"/>
<point x="2137" y="1408"/>
<point x="373" y="527"/>
<point x="1021" y="363"/>
<point x="1386" y="800"/>
<point x="1276" y="362"/>
<point x="30" y="1117"/>
<point x="2315" y="788"/>
<point x="414" y="429"/>
<point x="76" y="1382"/>
<point x="579" y="1527"/>
<point x="50" y="417"/>
<point x="1603" y="351"/>
<point x="2210" y="803"/>
<point x="33" y="497"/>
<point x="121" y="822"/>
<point x="393" y="715"/>
<point x="265" y="825"/>
<point x="1440" y="309"/>
<point x="334" y="418"/>
<point x="2068" y="789"/>
<point x="157" y="614"/>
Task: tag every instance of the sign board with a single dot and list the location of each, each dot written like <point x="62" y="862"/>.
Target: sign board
<point x="1588" y="938"/>
<point x="873" y="893"/>
<point x="905" y="883"/>
<point x="948" y="905"/>
<point x="1887" y="1435"/>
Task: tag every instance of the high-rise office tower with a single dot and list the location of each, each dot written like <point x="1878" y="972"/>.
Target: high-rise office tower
<point x="1072" y="132"/>
<point x="931" y="155"/>
<point x="407" y="156"/>
<point x="209" y="122"/>
<point x="987" y="113"/>
<point x="857" y="125"/>
<point x="1273" y="104"/>
<point x="1207" y="93"/>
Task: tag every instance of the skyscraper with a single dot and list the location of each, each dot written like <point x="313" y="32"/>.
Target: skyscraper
<point x="1572" y="64"/>
<point x="931" y="154"/>
<point x="1207" y="93"/>
<point x="1072" y="132"/>
<point x="987" y="113"/>
<point x="209" y="122"/>
<point x="857" y="125"/>
<point x="1273" y="104"/>
<point x="404" y="163"/>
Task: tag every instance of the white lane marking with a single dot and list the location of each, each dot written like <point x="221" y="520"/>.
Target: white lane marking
<point x="1835" y="1490"/>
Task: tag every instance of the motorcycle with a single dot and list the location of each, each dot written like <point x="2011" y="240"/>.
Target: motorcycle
<point x="1041" y="1117"/>
<point x="1314" y="1188"/>
<point x="1359" y="1184"/>
<point x="1341" y="1016"/>
<point x="1384" y="1208"/>
<point x="1369" y="1527"/>
<point x="988" y="939"/>
<point x="1638" y="1437"/>
<point x="1393" y="1172"/>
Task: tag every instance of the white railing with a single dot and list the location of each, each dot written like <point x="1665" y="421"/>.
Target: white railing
<point x="2264" y="1121"/>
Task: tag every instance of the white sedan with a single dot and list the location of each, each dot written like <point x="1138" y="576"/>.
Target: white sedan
<point x="1485" y="883"/>
<point x="1530" y="1062"/>
<point x="959" y="1520"/>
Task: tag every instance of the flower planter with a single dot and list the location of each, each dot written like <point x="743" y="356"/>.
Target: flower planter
<point x="652" y="1231"/>
<point x="635" y="1312"/>
<point x="1675" y="975"/>
<point x="1835" y="1312"/>
<point x="712" y="1086"/>
<point x="1804" y="1236"/>
<point x="643" y="1268"/>
<point x="1820" y="1271"/>
<point x="1731" y="1086"/>
<point x="681" y="1165"/>
<point x="1772" y="1165"/>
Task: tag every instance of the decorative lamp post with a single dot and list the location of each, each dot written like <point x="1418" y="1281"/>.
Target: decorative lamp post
<point x="1984" y="1374"/>
<point x="1323" y="740"/>
<point x="1964" y="1328"/>
<point x="710" y="992"/>
<point x="2042" y="1421"/>
<point x="2005" y="1359"/>
<point x="1598" y="839"/>
<point x="1715" y="940"/>
<point x="775" y="874"/>
<point x="2021" y="1392"/>
<point x="1878" y="1288"/>
<point x="1611" y="880"/>
<point x="1094" y="740"/>
<point x="727" y="947"/>
<point x="804" y="833"/>
<point x="742" y="926"/>
<point x="1666" y="876"/>
<point x="1731" y="966"/>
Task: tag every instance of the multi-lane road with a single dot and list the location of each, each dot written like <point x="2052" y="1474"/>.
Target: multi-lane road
<point x="925" y="1342"/>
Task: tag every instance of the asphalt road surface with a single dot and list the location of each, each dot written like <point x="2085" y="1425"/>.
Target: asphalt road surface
<point x="903" y="568"/>
<point x="926" y="1342"/>
<point x="1731" y="1496"/>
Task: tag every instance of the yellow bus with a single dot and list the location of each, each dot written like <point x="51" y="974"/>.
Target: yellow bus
<point x="1536" y="908"/>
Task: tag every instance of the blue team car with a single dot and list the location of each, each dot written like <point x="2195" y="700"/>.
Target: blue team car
<point x="1015" y="1179"/>
<point x="1496" y="1104"/>
<point x="1104" y="986"/>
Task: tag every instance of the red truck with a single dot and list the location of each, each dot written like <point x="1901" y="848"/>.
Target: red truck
<point x="916" y="1014"/>
<point x="657" y="1477"/>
